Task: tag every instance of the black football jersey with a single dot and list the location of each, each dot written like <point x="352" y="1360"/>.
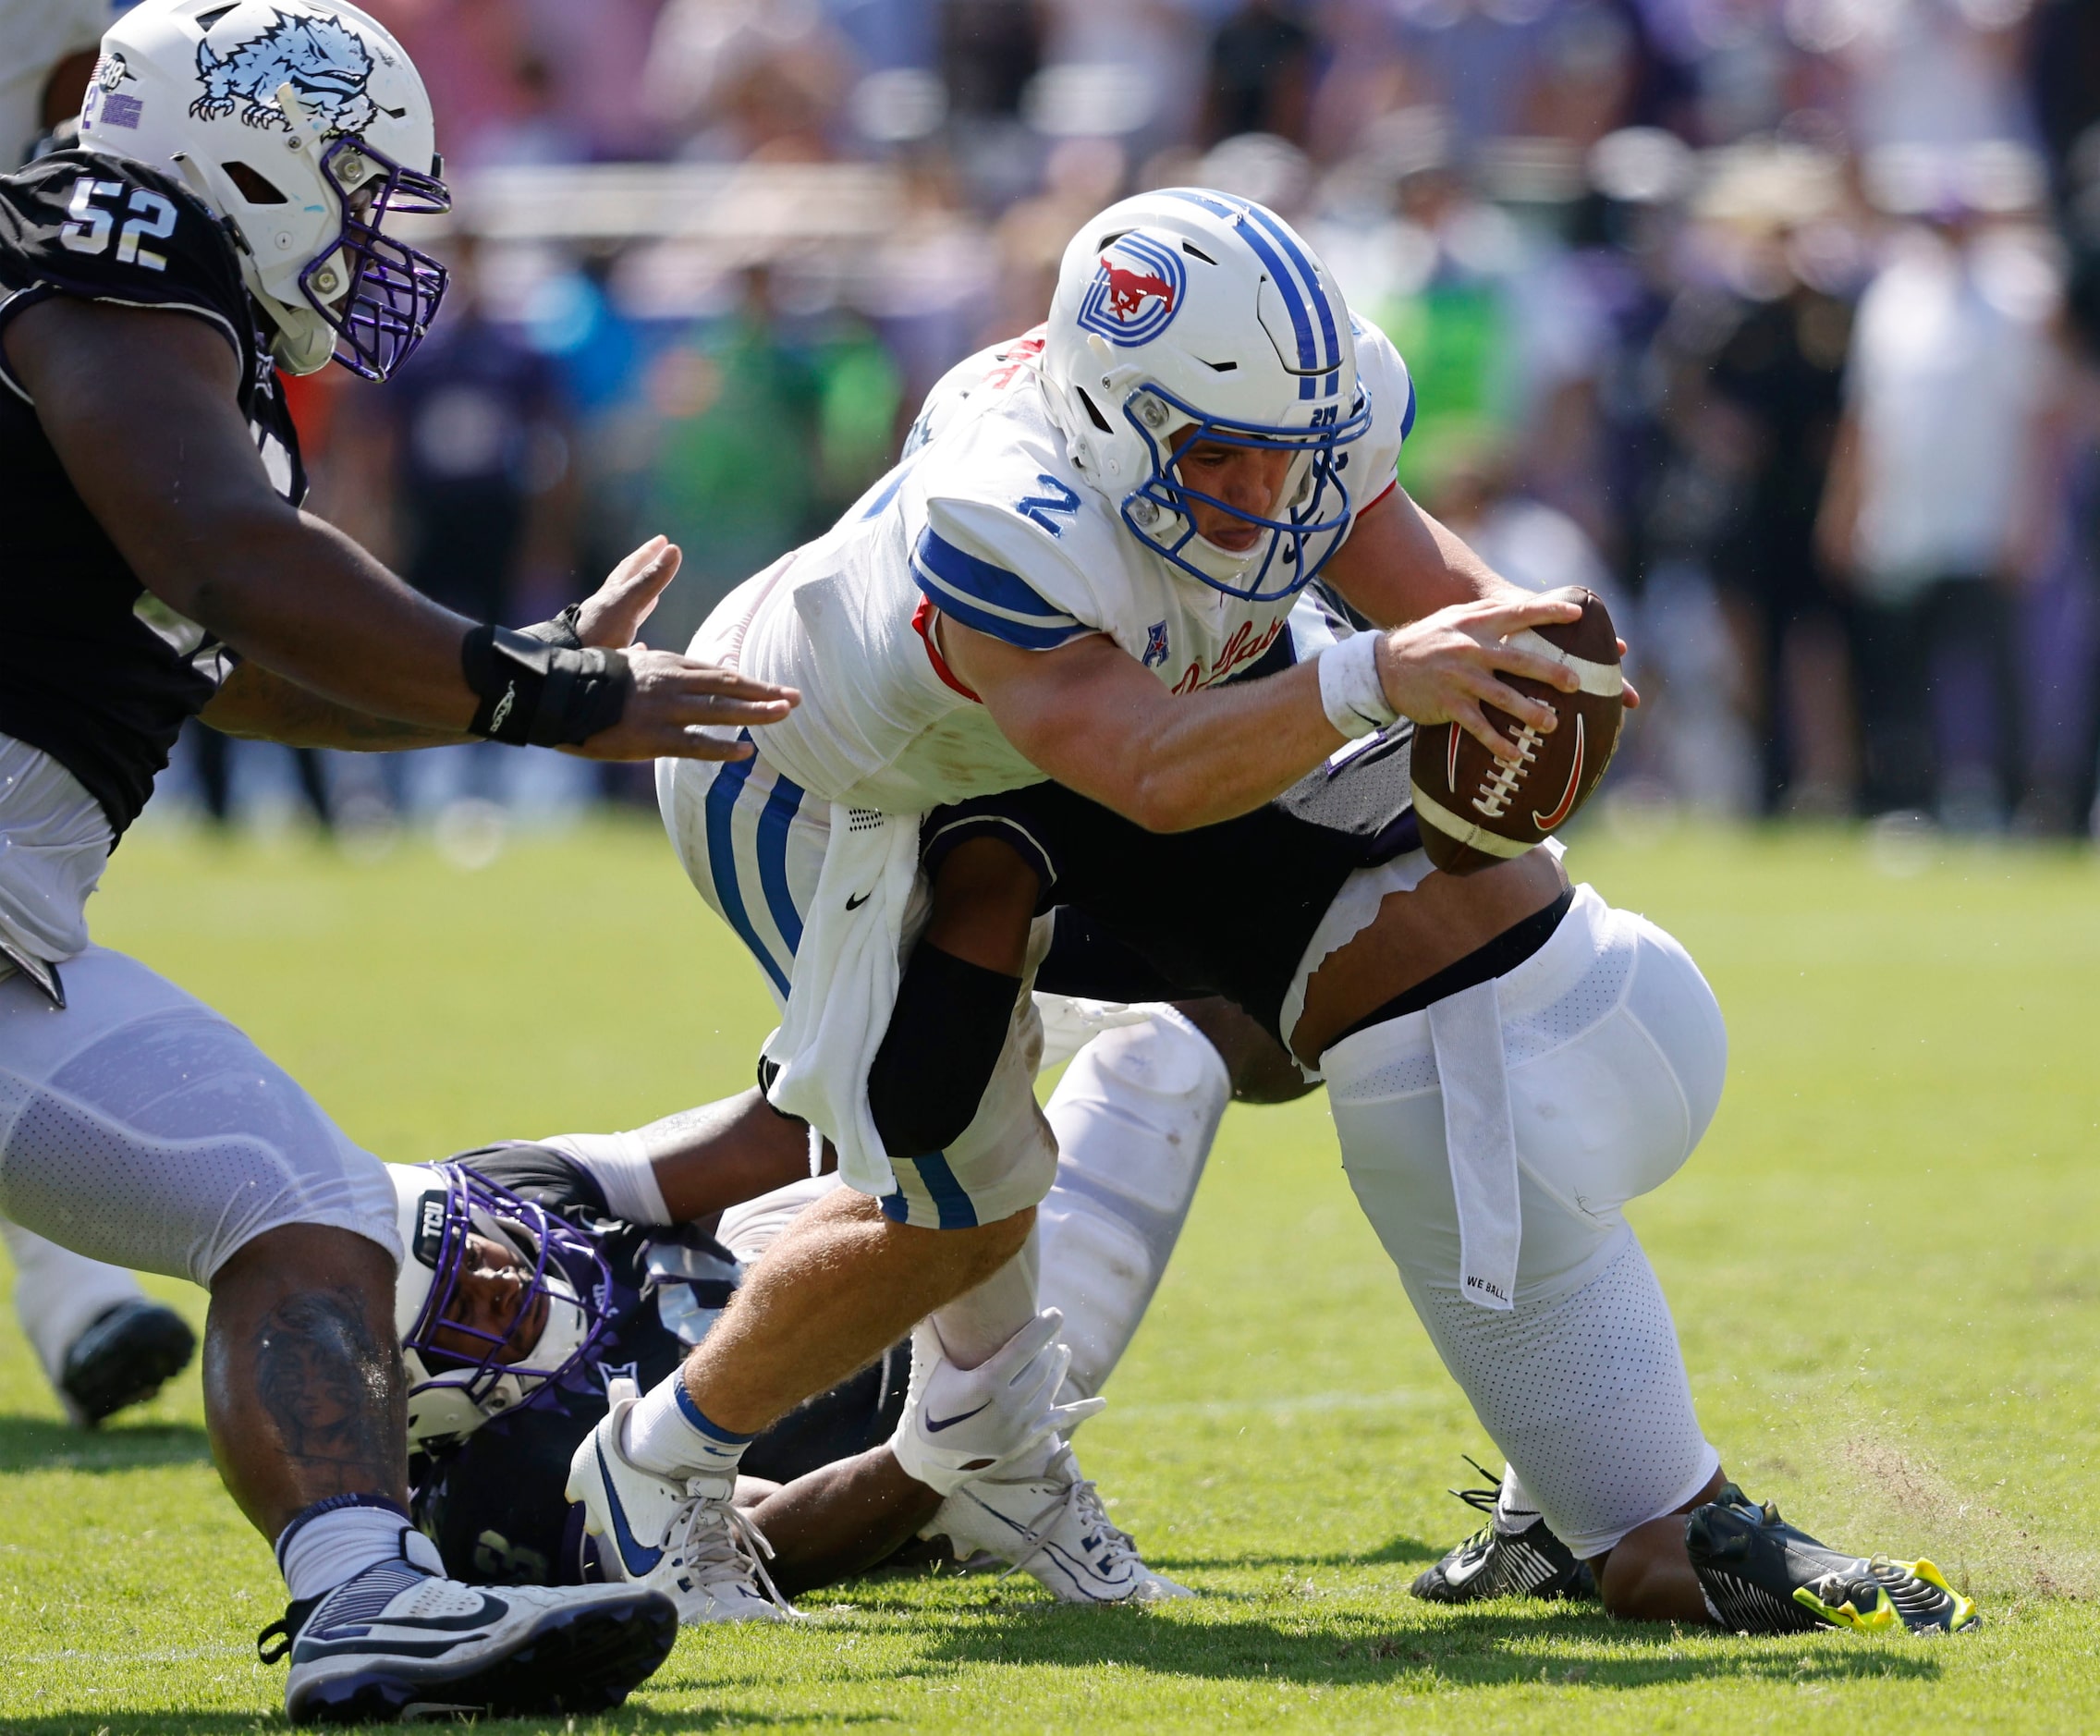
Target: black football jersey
<point x="1224" y="910"/>
<point x="494" y="1504"/>
<point x="94" y="669"/>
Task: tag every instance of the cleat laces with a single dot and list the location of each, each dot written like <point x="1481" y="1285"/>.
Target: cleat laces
<point x="1114" y="1551"/>
<point x="720" y="1545"/>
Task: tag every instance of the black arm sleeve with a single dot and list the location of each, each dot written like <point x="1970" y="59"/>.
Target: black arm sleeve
<point x="937" y="1057"/>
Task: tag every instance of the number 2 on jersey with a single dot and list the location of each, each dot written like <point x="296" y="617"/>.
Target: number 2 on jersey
<point x="154" y="220"/>
<point x="1058" y="498"/>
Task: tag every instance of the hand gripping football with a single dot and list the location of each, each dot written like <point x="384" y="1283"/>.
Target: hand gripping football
<point x="1476" y="809"/>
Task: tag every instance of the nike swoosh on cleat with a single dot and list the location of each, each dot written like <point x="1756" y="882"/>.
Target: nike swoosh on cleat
<point x="636" y="1556"/>
<point x="934" y="1427"/>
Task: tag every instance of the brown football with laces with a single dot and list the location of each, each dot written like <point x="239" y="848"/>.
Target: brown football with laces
<point x="1476" y="810"/>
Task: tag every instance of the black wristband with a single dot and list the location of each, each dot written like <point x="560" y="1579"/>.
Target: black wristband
<point x="560" y="632"/>
<point x="540" y="695"/>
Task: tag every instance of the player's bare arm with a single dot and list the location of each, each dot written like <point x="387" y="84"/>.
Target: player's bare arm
<point x="1093" y="718"/>
<point x="1401" y="564"/>
<point x="140" y="407"/>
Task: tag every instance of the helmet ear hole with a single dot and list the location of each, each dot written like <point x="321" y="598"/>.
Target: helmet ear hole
<point x="255" y="187"/>
<point x="1094" y="411"/>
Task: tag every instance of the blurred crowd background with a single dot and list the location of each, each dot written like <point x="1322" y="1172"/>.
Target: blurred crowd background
<point x="1771" y="320"/>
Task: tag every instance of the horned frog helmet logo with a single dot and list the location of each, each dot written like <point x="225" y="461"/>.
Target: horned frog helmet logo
<point x="326" y="64"/>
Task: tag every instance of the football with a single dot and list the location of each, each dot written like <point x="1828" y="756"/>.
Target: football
<point x="1476" y="810"/>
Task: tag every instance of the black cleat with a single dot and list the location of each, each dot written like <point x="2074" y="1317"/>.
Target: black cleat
<point x="123" y="1359"/>
<point x="1761" y="1575"/>
<point x="1495" y="1563"/>
<point x="400" y="1641"/>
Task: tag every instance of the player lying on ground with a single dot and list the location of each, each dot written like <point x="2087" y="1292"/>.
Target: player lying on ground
<point x="226" y="216"/>
<point x="1622" y="1017"/>
<point x="1090" y="533"/>
<point x="514" y="1355"/>
<point x="1508" y="1061"/>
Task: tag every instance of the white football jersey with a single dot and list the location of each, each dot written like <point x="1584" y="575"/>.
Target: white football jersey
<point x="985" y="520"/>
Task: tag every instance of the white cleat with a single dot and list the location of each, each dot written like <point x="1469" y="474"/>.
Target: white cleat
<point x="1053" y="1527"/>
<point x="681" y="1537"/>
<point x="401" y="1640"/>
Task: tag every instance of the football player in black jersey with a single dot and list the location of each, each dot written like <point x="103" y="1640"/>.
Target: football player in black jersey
<point x="545" y="1275"/>
<point x="103" y="1343"/>
<point x="226" y="216"/>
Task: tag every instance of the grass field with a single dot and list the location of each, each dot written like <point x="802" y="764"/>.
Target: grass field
<point x="1884" y="1260"/>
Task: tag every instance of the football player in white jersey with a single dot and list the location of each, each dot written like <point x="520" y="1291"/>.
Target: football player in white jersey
<point x="1057" y="583"/>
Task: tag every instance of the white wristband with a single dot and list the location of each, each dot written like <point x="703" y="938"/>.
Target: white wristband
<point x="1350" y="692"/>
<point x="620" y="1164"/>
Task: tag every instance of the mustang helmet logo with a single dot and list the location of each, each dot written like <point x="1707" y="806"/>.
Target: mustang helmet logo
<point x="321" y="59"/>
<point x="1136" y="291"/>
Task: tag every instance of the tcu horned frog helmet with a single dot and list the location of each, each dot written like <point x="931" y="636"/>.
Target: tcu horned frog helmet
<point x="305" y="126"/>
<point x="457" y="1378"/>
<point x="1191" y="313"/>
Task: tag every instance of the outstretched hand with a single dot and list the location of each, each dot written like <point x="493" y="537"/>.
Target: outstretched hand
<point x="613" y="615"/>
<point x="1448" y="666"/>
<point x="679" y="709"/>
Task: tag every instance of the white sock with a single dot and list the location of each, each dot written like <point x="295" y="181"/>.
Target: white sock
<point x="668" y="1434"/>
<point x="979" y="1323"/>
<point x="337" y="1539"/>
<point x="1514" y="1509"/>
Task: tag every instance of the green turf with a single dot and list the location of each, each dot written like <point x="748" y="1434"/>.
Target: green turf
<point x="1884" y="1263"/>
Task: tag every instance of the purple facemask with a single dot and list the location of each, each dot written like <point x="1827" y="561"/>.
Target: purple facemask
<point x="394" y="288"/>
<point x="557" y="1250"/>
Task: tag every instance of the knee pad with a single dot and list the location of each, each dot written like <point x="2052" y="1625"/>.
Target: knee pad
<point x="1134" y="1115"/>
<point x="1585" y="1394"/>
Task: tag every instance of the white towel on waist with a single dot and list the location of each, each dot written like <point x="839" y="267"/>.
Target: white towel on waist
<point x="845" y="988"/>
<point x="1480" y="1135"/>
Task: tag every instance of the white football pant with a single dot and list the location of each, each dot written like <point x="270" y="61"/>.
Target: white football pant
<point x="139" y="1126"/>
<point x="1615" y="1051"/>
<point x="1134" y="1115"/>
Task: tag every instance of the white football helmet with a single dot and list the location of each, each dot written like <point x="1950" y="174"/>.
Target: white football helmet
<point x="303" y="123"/>
<point x="453" y="1391"/>
<point x="1189" y="310"/>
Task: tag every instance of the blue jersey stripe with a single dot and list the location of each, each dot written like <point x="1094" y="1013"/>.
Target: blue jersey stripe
<point x="988" y="598"/>
<point x="950" y="1201"/>
<point x="1406" y="415"/>
<point x="722" y="861"/>
<point x="779" y="810"/>
<point x="996" y="588"/>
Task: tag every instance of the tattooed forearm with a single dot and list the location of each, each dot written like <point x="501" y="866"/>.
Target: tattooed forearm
<point x="332" y="1386"/>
